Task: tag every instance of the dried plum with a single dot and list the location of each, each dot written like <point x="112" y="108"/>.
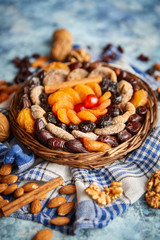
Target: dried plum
<point x="114" y="111"/>
<point x="50" y="118"/>
<point x="116" y="98"/>
<point x="111" y="140"/>
<point x="87" y="126"/>
<point x="124" y="136"/>
<point x="75" y="146"/>
<point x="108" y="85"/>
<point x="43" y="98"/>
<point x="63" y="126"/>
<point x="104" y="121"/>
<point x="72" y="127"/>
<point x="47" y="107"/>
<point x="133" y="127"/>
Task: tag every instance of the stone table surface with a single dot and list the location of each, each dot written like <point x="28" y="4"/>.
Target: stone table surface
<point x="27" y="27"/>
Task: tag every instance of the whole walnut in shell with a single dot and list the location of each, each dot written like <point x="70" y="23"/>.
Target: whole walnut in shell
<point x="4" y="128"/>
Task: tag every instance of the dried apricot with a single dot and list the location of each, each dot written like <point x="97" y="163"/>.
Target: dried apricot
<point x="40" y="62"/>
<point x="56" y="65"/>
<point x="98" y="112"/>
<point x="58" y="96"/>
<point x="104" y="97"/>
<point x="62" y="116"/>
<point x="104" y="104"/>
<point x="86" y="115"/>
<point x="62" y="104"/>
<point x="72" y="115"/>
<point x="72" y="93"/>
<point x="96" y="88"/>
<point x="95" y="146"/>
<point x="139" y="98"/>
<point x="83" y="91"/>
<point x="25" y="120"/>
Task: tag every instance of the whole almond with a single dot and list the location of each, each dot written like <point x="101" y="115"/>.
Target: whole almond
<point x="157" y="66"/>
<point x="68" y="189"/>
<point x="6" y="169"/>
<point x="45" y="234"/>
<point x="3" y="186"/>
<point x="28" y="187"/>
<point x="19" y="192"/>
<point x="3" y="203"/>
<point x="65" y="208"/>
<point x="56" y="202"/>
<point x="1" y="198"/>
<point x="9" y="179"/>
<point x="60" y="221"/>
<point x="36" y="206"/>
<point x="10" y="189"/>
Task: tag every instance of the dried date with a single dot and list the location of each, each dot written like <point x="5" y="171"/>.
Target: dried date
<point x="56" y="143"/>
<point x="75" y="146"/>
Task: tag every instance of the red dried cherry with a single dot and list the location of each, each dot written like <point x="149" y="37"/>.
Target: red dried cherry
<point x="91" y="101"/>
<point x="79" y="107"/>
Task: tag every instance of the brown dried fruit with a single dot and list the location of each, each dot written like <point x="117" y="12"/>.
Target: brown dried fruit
<point x="6" y="169"/>
<point x="45" y="234"/>
<point x="3" y="187"/>
<point x="79" y="55"/>
<point x="4" y="128"/>
<point x="65" y="208"/>
<point x="9" y="179"/>
<point x="10" y="189"/>
<point x="68" y="189"/>
<point x="19" y="192"/>
<point x="28" y="187"/>
<point x="3" y="97"/>
<point x="36" y="206"/>
<point x="1" y="198"/>
<point x="60" y="49"/>
<point x="56" y="202"/>
<point x="59" y="221"/>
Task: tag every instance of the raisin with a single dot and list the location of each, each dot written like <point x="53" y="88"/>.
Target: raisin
<point x="120" y="49"/>
<point x="47" y="107"/>
<point x="143" y="58"/>
<point x="35" y="55"/>
<point x="114" y="111"/>
<point x="116" y="98"/>
<point x="87" y="126"/>
<point x="72" y="127"/>
<point x="43" y="97"/>
<point x="133" y="127"/>
<point x="108" y="85"/>
<point x="63" y="126"/>
<point x="50" y="117"/>
<point x="111" y="140"/>
<point x="107" y="47"/>
<point x="41" y="76"/>
<point x="141" y="110"/>
<point x="123" y="76"/>
<point x="135" y="118"/>
<point x="124" y="136"/>
<point x="104" y="121"/>
<point x="151" y="71"/>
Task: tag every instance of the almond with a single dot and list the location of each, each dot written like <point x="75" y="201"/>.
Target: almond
<point x="9" y="179"/>
<point x="60" y="221"/>
<point x="19" y="192"/>
<point x="56" y="202"/>
<point x="3" y="203"/>
<point x="157" y="66"/>
<point x="36" y="206"/>
<point x="68" y="189"/>
<point x="65" y="208"/>
<point x="45" y="234"/>
<point x="3" y="186"/>
<point x="28" y="187"/>
<point x="1" y="198"/>
<point x="10" y="189"/>
<point x="6" y="169"/>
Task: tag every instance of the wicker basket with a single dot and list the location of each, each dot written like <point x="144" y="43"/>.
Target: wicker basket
<point x="86" y="160"/>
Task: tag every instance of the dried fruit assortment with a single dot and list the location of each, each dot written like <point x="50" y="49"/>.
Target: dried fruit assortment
<point x="81" y="107"/>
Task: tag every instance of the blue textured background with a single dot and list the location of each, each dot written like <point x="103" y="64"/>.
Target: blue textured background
<point x="26" y="26"/>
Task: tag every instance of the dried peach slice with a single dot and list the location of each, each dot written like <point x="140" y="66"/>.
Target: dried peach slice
<point x="56" y="65"/>
<point x="62" y="104"/>
<point x="104" y="104"/>
<point x="86" y="115"/>
<point x="72" y="93"/>
<point x="104" y="97"/>
<point x="72" y="115"/>
<point x="58" y="96"/>
<point x="139" y="98"/>
<point x="96" y="88"/>
<point x="95" y="146"/>
<point x="98" y="112"/>
<point x="62" y="116"/>
<point x="83" y="91"/>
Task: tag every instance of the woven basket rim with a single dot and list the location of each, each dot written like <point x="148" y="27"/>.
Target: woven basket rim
<point x="90" y="159"/>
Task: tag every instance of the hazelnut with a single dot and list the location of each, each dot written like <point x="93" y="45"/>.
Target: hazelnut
<point x="4" y="128"/>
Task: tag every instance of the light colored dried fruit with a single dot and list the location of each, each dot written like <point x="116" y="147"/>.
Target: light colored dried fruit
<point x="60" y="221"/>
<point x="35" y="94"/>
<point x="126" y="90"/>
<point x="128" y="109"/>
<point x="38" y="112"/>
<point x="9" y="179"/>
<point x="19" y="192"/>
<point x="45" y="234"/>
<point x="55" y="76"/>
<point x="3" y="187"/>
<point x="77" y="74"/>
<point x="6" y="169"/>
<point x="10" y="189"/>
<point x="79" y="55"/>
<point x="28" y="187"/>
<point x="4" y="128"/>
<point x="36" y="206"/>
<point x="65" y="208"/>
<point x="104" y="72"/>
<point x="59" y="132"/>
<point x="89" y="135"/>
<point x="111" y="129"/>
<point x="56" y="202"/>
<point x="68" y="189"/>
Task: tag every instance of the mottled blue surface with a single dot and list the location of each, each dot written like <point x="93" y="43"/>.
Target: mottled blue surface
<point x="27" y="26"/>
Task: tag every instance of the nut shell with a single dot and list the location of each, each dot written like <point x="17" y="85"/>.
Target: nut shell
<point x="4" y="128"/>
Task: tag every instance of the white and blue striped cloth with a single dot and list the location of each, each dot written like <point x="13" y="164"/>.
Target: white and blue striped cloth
<point x="133" y="171"/>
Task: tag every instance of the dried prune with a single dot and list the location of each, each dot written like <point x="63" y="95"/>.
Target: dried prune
<point x="111" y="140"/>
<point x="87" y="126"/>
<point x="114" y="111"/>
<point x="43" y="136"/>
<point x="51" y="118"/>
<point x="135" y="118"/>
<point x="72" y="127"/>
<point x="141" y="110"/>
<point x="43" y="97"/>
<point x="47" y="107"/>
<point x="41" y="76"/>
<point x="108" y="85"/>
<point x="133" y="127"/>
<point x="63" y="126"/>
<point x="116" y="98"/>
<point x="56" y="143"/>
<point x="75" y="65"/>
<point x="104" y="121"/>
<point x="38" y="126"/>
<point x="75" y="146"/>
<point x="124" y="136"/>
<point x="24" y="101"/>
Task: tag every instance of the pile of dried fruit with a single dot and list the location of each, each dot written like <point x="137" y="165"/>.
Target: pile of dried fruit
<point x="80" y="107"/>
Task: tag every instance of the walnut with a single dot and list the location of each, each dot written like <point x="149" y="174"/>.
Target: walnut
<point x="79" y="55"/>
<point x="149" y="184"/>
<point x="114" y="191"/>
<point x="4" y="128"/>
<point x="153" y="199"/>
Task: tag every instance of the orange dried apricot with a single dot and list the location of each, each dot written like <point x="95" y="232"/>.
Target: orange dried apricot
<point x="98" y="112"/>
<point x="72" y="93"/>
<point x="62" y="104"/>
<point x="40" y="62"/>
<point x="62" y="116"/>
<point x="139" y="98"/>
<point x="95" y="146"/>
<point x="104" y="104"/>
<point x="86" y="115"/>
<point x="25" y="120"/>
<point x="96" y="88"/>
<point x="83" y="91"/>
<point x="56" y="65"/>
<point x="104" y="97"/>
<point x="58" y="96"/>
<point x="72" y="115"/>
